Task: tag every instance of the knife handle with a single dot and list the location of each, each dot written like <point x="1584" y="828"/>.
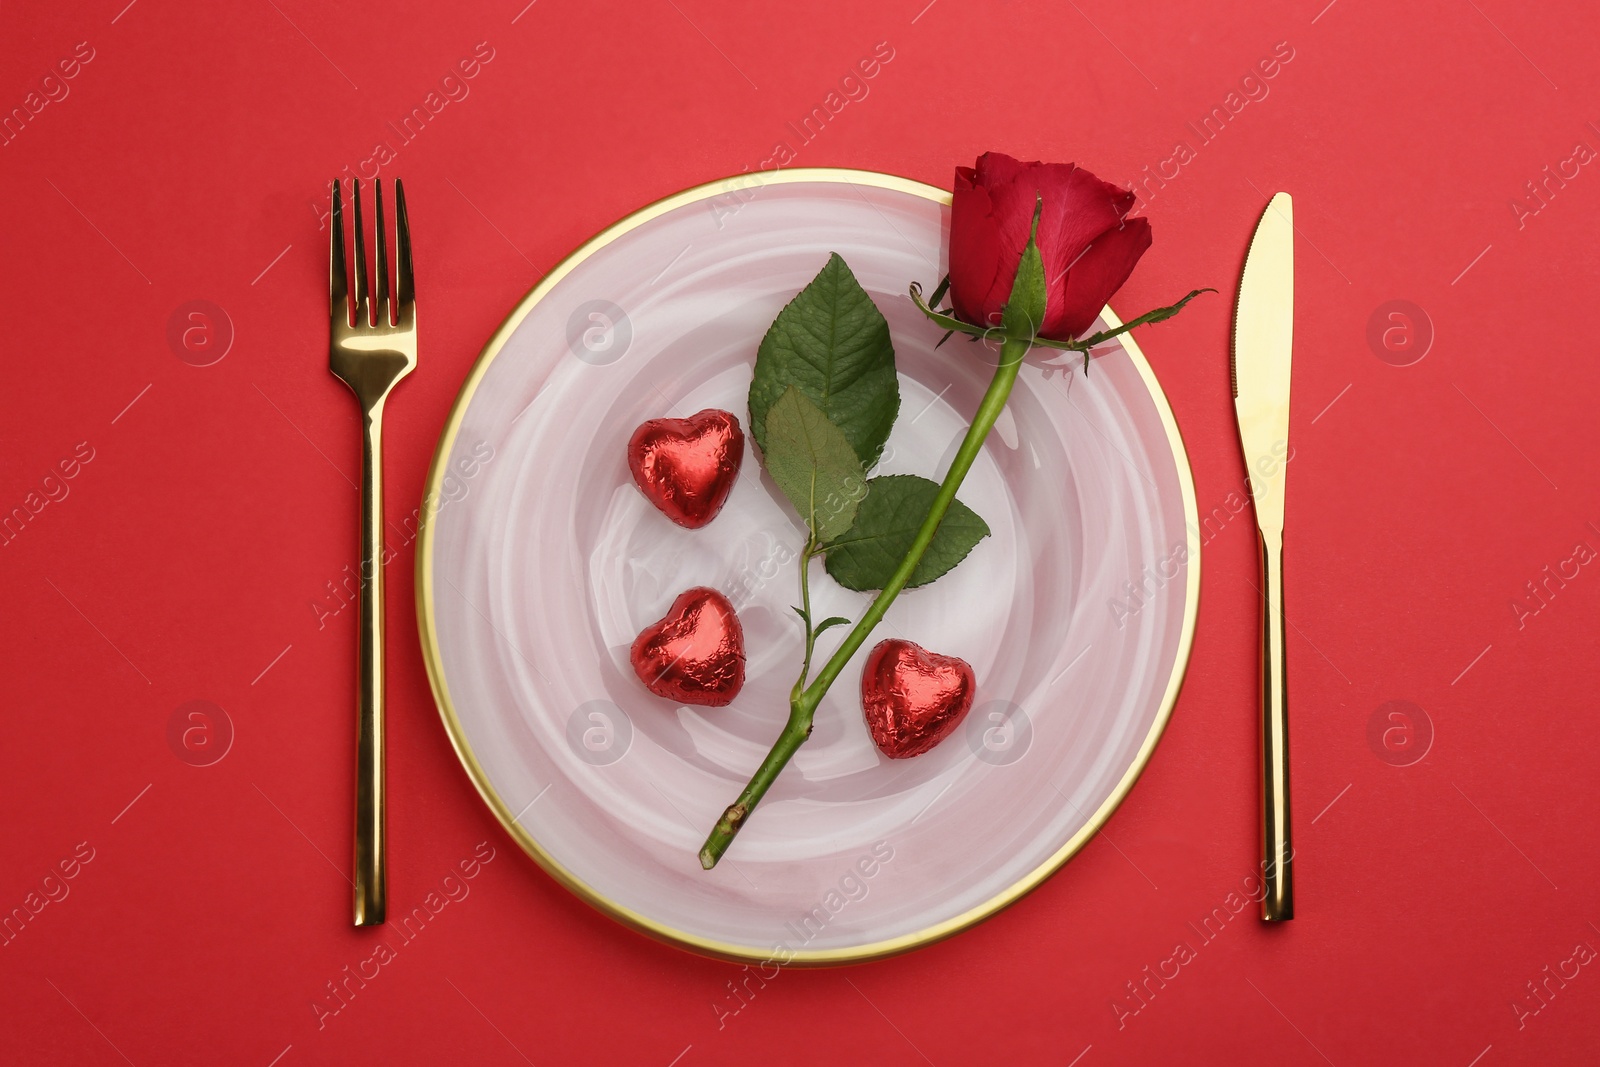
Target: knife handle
<point x="1277" y="852"/>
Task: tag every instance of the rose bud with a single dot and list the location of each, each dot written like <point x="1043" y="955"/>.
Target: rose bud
<point x="1087" y="244"/>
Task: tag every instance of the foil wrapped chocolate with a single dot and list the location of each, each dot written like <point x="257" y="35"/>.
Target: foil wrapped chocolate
<point x="695" y="653"/>
<point x="687" y="467"/>
<point x="912" y="698"/>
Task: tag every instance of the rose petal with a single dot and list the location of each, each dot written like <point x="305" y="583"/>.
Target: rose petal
<point x="974" y="249"/>
<point x="1076" y="212"/>
<point x="997" y="168"/>
<point x="1078" y="207"/>
<point x="1091" y="281"/>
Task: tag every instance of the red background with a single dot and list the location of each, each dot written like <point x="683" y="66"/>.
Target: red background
<point x="184" y="164"/>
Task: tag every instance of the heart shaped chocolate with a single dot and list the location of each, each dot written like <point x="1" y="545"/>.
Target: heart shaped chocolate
<point x="695" y="654"/>
<point x="687" y="467"/>
<point x="912" y="698"/>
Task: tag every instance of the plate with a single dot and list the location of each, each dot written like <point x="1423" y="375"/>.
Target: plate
<point x="539" y="561"/>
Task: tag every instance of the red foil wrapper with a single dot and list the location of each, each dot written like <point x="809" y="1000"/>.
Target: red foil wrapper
<point x="695" y="655"/>
<point x="687" y="467"/>
<point x="912" y="698"/>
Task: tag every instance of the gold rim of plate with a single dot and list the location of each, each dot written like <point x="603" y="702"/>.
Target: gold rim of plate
<point x="426" y="621"/>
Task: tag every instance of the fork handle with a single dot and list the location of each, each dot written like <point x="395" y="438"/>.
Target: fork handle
<point x="1277" y="851"/>
<point x="371" y="885"/>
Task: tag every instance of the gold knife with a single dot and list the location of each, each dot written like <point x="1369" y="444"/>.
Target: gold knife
<point x="1263" y="336"/>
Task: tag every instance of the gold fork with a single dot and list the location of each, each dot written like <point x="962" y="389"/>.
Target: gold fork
<point x="372" y="344"/>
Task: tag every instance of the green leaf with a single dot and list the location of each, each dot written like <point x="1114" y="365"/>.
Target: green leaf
<point x="887" y="522"/>
<point x="1023" y="313"/>
<point x="836" y="620"/>
<point x="813" y="464"/>
<point x="832" y="343"/>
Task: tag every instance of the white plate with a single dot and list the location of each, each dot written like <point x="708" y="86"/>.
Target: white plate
<point x="539" y="562"/>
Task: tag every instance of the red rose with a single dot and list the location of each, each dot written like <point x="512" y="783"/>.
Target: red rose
<point x="1088" y="246"/>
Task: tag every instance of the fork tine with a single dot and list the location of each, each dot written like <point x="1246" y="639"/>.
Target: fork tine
<point x="380" y="245"/>
<point x="338" y="278"/>
<point x="404" y="287"/>
<point x="363" y="307"/>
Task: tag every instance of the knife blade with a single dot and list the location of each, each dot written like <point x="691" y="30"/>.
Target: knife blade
<point x="1263" y="340"/>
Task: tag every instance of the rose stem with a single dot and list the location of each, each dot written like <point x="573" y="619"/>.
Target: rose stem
<point x="803" y="704"/>
<point x="805" y="614"/>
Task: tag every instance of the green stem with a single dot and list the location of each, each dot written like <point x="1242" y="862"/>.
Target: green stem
<point x="805" y="615"/>
<point x="803" y="703"/>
